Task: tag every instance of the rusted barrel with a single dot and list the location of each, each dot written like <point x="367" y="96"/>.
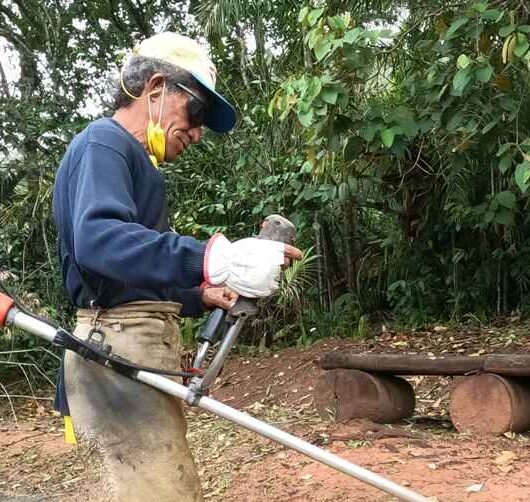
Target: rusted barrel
<point x="490" y="404"/>
<point x="345" y="394"/>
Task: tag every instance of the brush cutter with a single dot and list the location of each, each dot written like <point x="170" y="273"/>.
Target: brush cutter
<point x="223" y="326"/>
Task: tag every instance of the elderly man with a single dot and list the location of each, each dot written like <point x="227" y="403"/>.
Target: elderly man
<point x="131" y="277"/>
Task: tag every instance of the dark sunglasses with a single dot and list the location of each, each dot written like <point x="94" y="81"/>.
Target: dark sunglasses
<point x="196" y="107"/>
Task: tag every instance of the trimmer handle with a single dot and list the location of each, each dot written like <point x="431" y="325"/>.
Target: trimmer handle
<point x="275" y="228"/>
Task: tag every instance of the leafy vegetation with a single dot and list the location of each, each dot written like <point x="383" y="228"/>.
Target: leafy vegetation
<point x="394" y="133"/>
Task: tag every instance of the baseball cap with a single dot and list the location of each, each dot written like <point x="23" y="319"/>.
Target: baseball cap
<point x="187" y="54"/>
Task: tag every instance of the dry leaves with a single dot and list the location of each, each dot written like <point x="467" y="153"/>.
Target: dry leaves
<point x="505" y="461"/>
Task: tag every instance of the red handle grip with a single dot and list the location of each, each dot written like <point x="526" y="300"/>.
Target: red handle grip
<point x="6" y="304"/>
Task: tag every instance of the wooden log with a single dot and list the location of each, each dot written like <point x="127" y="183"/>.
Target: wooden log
<point x="490" y="404"/>
<point x="342" y="395"/>
<point x="403" y="364"/>
<point x="416" y="364"/>
<point x="508" y="364"/>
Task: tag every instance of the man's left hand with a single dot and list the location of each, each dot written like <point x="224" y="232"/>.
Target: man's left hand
<point x="214" y="296"/>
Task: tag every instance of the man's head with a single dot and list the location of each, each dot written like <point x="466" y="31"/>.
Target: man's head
<point x="170" y="80"/>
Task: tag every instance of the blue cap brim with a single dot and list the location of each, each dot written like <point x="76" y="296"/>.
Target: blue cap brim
<point x="221" y="116"/>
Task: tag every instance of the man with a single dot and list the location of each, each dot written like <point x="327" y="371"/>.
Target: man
<point x="130" y="276"/>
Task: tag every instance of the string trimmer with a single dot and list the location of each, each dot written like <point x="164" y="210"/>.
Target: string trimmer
<point x="223" y="326"/>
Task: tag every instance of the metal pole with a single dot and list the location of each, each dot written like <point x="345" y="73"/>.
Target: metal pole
<point x="282" y="437"/>
<point x="31" y="324"/>
<point x="215" y="366"/>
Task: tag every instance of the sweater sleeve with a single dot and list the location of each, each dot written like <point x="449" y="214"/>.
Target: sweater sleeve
<point x="107" y="240"/>
<point x="191" y="300"/>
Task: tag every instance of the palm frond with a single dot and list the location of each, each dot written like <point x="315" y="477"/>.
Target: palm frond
<point x="297" y="279"/>
<point x="216" y="16"/>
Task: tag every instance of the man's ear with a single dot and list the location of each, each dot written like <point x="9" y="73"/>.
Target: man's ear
<point x="154" y="85"/>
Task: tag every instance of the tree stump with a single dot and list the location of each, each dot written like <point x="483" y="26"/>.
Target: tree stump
<point x="490" y="404"/>
<point x="345" y="394"/>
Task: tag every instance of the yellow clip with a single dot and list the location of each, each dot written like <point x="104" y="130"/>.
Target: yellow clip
<point x="69" y="432"/>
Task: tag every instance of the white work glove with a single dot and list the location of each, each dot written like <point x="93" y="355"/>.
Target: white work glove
<point x="249" y="267"/>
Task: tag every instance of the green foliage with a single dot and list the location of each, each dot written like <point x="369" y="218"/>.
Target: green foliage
<point x="431" y="122"/>
<point x="394" y="133"/>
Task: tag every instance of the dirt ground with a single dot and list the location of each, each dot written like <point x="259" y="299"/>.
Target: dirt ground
<point x="424" y="453"/>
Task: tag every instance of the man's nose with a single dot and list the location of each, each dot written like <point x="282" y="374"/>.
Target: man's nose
<point x="195" y="134"/>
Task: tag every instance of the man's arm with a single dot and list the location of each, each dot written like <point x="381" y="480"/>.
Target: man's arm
<point x="107" y="240"/>
<point x="191" y="300"/>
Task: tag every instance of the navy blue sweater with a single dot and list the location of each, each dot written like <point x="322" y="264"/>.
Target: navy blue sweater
<point x="109" y="206"/>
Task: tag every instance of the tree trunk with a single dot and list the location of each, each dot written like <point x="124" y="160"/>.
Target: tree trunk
<point x="259" y="37"/>
<point x="320" y="262"/>
<point x="242" y="56"/>
<point x="348" y="210"/>
<point x="308" y="63"/>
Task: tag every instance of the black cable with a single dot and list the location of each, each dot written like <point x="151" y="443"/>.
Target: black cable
<point x="94" y="351"/>
<point x="90" y="350"/>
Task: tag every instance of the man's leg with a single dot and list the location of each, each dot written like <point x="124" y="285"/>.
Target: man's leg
<point x="139" y="431"/>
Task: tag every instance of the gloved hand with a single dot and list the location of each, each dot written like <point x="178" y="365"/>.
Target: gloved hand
<point x="250" y="267"/>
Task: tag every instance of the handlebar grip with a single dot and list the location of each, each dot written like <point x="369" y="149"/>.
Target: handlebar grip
<point x="210" y="330"/>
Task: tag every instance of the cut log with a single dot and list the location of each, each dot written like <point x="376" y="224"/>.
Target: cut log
<point x="415" y="364"/>
<point x="490" y="404"/>
<point x="341" y="395"/>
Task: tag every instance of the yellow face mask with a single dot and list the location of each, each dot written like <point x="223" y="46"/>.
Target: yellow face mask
<point x="155" y="135"/>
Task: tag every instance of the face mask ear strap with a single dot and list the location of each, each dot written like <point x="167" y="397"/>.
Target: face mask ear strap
<point x="149" y="108"/>
<point x="161" y="102"/>
<point x="132" y="96"/>
<point x="122" y="83"/>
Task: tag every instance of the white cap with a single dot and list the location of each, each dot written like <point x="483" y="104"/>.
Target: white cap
<point x="187" y="54"/>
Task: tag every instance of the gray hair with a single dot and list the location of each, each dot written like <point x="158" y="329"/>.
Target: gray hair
<point x="138" y="71"/>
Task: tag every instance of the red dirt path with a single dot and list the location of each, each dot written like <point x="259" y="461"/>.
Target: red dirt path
<point x="424" y="453"/>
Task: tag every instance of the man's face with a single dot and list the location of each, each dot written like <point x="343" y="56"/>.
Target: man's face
<point x="175" y="122"/>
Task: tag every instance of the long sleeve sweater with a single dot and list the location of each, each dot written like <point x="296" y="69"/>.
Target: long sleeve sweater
<point x="115" y="244"/>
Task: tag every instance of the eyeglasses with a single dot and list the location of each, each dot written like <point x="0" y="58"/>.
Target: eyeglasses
<point x="196" y="107"/>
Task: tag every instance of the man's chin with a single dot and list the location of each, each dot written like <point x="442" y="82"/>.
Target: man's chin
<point x="173" y="154"/>
<point x="179" y="148"/>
